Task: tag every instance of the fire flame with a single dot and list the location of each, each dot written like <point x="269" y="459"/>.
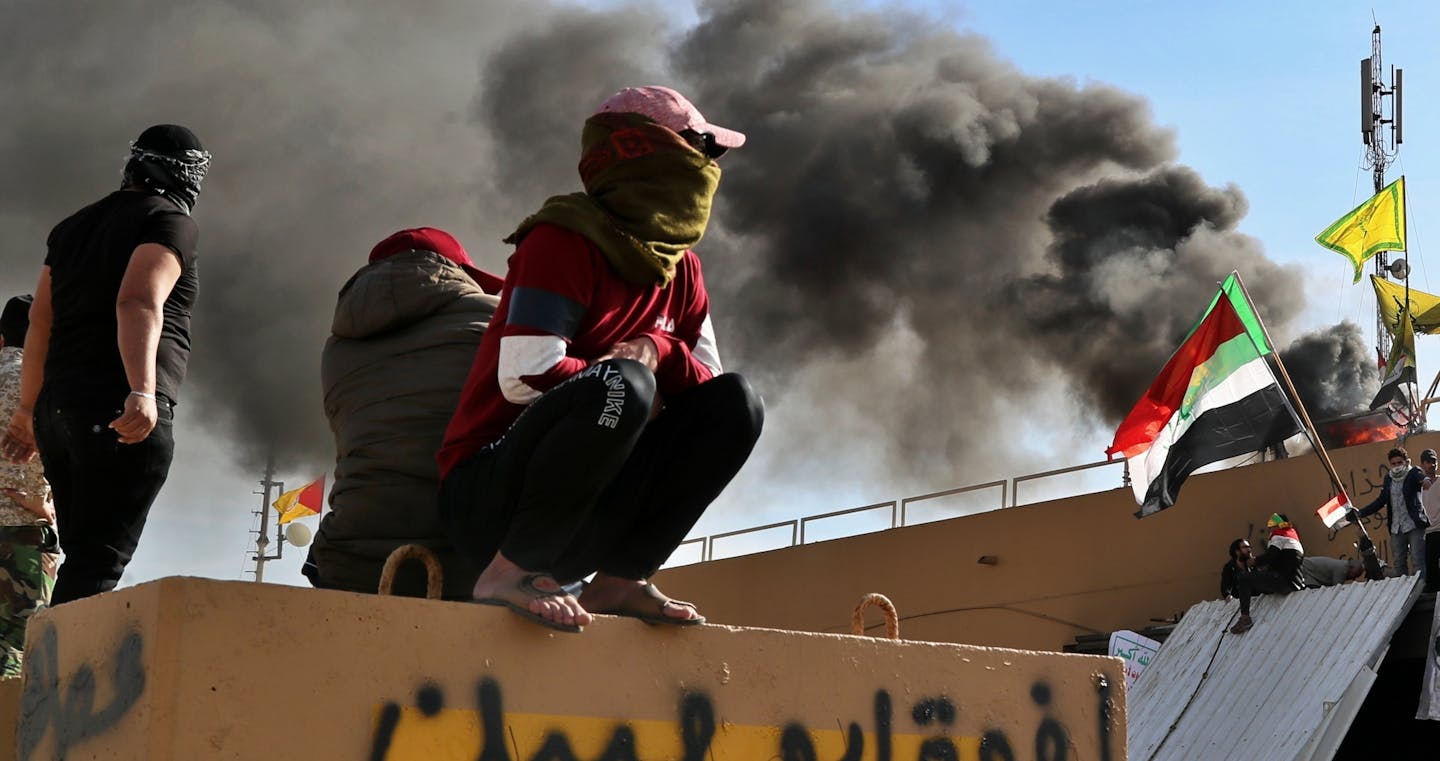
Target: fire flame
<point x="1366" y="429"/>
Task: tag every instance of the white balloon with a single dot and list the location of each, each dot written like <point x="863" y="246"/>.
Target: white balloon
<point x="297" y="534"/>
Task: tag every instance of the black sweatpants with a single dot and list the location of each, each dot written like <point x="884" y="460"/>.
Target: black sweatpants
<point x="583" y="481"/>
<point x="1432" y="561"/>
<point x="1261" y="581"/>
<point x="102" y="489"/>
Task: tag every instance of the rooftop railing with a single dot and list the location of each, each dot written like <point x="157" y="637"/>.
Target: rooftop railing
<point x="900" y="514"/>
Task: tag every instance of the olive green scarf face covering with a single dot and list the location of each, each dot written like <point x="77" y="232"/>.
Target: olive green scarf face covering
<point x="646" y="201"/>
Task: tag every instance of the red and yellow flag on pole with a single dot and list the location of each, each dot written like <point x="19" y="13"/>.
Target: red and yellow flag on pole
<point x="302" y="502"/>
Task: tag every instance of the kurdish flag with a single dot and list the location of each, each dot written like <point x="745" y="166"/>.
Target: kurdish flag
<point x="1215" y="399"/>
<point x="301" y="503"/>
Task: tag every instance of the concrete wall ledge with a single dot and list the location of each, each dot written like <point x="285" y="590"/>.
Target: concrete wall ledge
<point x="185" y="668"/>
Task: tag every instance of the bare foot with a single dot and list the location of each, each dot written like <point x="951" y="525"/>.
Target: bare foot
<point x="636" y="598"/>
<point x="504" y="582"/>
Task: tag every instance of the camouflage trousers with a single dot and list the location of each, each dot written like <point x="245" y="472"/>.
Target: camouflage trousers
<point x="29" y="556"/>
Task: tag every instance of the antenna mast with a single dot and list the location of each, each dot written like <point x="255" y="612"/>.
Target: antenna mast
<point x="1380" y="153"/>
<point x="262" y="541"/>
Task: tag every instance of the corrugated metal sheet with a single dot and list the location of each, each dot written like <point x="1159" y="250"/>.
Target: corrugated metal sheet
<point x="1285" y="690"/>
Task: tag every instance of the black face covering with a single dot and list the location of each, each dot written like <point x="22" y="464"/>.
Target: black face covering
<point x="169" y="160"/>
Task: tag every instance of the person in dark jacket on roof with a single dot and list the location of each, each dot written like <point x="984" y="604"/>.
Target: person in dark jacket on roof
<point x="1276" y="571"/>
<point x="1240" y="563"/>
<point x="1400" y="495"/>
<point x="405" y="331"/>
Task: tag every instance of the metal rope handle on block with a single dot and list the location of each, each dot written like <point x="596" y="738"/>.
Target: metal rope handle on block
<point x="892" y="619"/>
<point x="434" y="575"/>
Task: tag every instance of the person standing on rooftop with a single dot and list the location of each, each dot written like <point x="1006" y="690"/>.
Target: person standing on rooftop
<point x="28" y="550"/>
<point x="1400" y="495"/>
<point x="106" y="355"/>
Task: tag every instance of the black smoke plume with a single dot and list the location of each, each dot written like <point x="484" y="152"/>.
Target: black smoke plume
<point x="921" y="253"/>
<point x="1333" y="369"/>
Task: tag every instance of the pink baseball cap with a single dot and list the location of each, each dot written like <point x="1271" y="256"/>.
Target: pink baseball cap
<point x="670" y="110"/>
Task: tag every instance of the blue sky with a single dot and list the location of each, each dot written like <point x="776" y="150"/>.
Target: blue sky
<point x="1263" y="95"/>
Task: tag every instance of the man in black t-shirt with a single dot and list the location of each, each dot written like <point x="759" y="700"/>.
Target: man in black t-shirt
<point x="105" y="357"/>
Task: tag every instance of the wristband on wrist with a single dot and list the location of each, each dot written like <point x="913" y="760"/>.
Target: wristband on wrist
<point x="143" y="395"/>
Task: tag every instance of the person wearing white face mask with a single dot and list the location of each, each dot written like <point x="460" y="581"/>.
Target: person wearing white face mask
<point x="1406" y="517"/>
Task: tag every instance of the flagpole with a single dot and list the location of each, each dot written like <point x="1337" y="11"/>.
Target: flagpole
<point x="1298" y="406"/>
<point x="1415" y="354"/>
<point x="262" y="541"/>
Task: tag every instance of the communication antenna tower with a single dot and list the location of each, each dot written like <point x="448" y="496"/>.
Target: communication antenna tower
<point x="262" y="540"/>
<point x="1377" y="100"/>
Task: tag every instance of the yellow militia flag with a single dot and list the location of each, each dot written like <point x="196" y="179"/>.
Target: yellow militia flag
<point x="302" y="502"/>
<point x="1402" y="349"/>
<point x="1374" y="226"/>
<point x="1424" y="308"/>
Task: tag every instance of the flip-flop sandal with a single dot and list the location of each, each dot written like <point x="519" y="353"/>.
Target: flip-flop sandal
<point x="527" y="585"/>
<point x="657" y="614"/>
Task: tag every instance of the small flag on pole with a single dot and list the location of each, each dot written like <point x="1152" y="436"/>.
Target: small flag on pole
<point x="301" y="503"/>
<point x="1332" y="513"/>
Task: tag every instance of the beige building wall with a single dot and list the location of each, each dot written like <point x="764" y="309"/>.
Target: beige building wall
<point x="1082" y="565"/>
<point x="186" y="669"/>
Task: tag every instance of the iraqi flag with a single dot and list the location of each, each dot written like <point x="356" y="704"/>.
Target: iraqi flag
<point x="1215" y="399"/>
<point x="1332" y="513"/>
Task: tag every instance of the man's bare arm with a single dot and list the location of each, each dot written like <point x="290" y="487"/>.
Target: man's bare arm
<point x="139" y="313"/>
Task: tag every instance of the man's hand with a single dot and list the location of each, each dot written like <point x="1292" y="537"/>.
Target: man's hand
<point x="42" y="507"/>
<point x="641" y="349"/>
<point x="18" y="444"/>
<point x="137" y="421"/>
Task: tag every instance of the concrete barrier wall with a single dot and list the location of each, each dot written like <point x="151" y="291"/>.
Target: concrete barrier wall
<point x="1062" y="568"/>
<point x="197" y="669"/>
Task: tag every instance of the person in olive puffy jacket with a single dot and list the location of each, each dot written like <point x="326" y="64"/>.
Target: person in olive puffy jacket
<point x="405" y="333"/>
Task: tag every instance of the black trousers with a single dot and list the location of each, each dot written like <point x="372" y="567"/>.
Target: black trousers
<point x="1260" y="581"/>
<point x="103" y="489"/>
<point x="1432" y="561"/>
<point x="583" y="481"/>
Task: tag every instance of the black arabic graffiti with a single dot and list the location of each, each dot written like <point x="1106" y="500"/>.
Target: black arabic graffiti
<point x="1374" y="523"/>
<point x="697" y="730"/>
<point x="72" y="714"/>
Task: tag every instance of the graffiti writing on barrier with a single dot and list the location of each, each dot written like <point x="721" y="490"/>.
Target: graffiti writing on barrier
<point x="66" y="706"/>
<point x="487" y="732"/>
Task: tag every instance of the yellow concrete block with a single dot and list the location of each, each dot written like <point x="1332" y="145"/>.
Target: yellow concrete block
<point x="184" y="669"/>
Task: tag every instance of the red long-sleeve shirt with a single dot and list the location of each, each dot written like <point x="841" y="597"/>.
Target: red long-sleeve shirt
<point x="562" y="306"/>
